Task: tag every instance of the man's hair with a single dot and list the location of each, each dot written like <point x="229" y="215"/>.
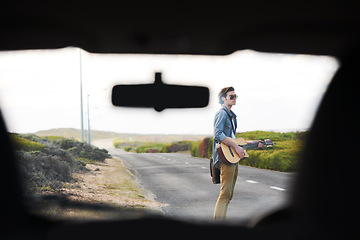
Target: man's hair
<point x="223" y="93"/>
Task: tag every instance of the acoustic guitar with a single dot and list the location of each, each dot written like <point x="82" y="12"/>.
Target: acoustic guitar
<point x="228" y="155"/>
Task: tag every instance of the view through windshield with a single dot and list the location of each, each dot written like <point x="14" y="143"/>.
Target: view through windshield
<point x="85" y="150"/>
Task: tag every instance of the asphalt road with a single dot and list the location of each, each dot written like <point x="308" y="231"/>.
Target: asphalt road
<point x="184" y="184"/>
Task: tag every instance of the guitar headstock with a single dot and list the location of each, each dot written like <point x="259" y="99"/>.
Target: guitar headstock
<point x="268" y="142"/>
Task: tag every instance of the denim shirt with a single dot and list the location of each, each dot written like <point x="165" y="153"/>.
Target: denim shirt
<point x="222" y="129"/>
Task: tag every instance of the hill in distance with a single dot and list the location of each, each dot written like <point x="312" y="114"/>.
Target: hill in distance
<point x="95" y="135"/>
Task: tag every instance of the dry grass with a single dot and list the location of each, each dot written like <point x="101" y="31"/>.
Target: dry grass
<point x="110" y="183"/>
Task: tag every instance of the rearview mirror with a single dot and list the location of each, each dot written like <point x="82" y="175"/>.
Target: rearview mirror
<point x="160" y="96"/>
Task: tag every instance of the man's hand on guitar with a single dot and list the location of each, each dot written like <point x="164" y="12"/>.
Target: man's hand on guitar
<point x="240" y="151"/>
<point x="260" y="145"/>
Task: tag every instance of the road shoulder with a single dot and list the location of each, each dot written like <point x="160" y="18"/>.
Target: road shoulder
<point x="110" y="183"/>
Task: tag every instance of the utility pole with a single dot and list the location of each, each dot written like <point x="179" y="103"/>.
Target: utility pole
<point x="88" y="115"/>
<point x="81" y="101"/>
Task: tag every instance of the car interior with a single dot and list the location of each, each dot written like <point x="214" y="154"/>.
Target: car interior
<point x="323" y="202"/>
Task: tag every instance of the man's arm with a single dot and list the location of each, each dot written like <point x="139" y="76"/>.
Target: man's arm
<point x="219" y="135"/>
<point x="239" y="150"/>
<point x="260" y="145"/>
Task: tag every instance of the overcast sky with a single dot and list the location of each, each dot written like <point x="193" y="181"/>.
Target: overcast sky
<point x="40" y="89"/>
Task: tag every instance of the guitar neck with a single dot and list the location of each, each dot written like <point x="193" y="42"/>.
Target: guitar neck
<point x="250" y="145"/>
<point x="266" y="142"/>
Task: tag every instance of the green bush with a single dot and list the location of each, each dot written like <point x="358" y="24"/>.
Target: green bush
<point x="128" y="149"/>
<point x="42" y="171"/>
<point x="275" y="136"/>
<point x="165" y="148"/>
<point x="127" y="146"/>
<point x="82" y="150"/>
<point x="145" y="147"/>
<point x="23" y="144"/>
<point x="210" y="148"/>
<point x="47" y="162"/>
<point x="284" y="160"/>
<point x="117" y="143"/>
<point x="194" y="148"/>
<point x="176" y="147"/>
<point x="283" y="156"/>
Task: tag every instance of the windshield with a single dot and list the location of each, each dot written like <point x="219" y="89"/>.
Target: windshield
<point x="86" y="150"/>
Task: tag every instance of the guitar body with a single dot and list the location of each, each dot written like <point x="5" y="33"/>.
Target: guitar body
<point x="228" y="154"/>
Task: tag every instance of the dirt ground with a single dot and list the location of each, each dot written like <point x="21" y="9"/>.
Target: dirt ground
<point x="110" y="183"/>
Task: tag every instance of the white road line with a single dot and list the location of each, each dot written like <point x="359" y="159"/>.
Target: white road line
<point x="204" y="167"/>
<point x="186" y="163"/>
<point x="277" y="188"/>
<point x="250" y="181"/>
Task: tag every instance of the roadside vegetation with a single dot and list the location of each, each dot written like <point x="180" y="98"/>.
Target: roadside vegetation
<point x="283" y="156"/>
<point x="152" y="147"/>
<point x="65" y="179"/>
<point x="48" y="163"/>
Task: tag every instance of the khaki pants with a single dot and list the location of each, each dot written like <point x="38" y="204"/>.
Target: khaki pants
<point x="228" y="176"/>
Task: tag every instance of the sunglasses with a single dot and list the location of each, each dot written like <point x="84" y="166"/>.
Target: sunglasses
<point x="233" y="96"/>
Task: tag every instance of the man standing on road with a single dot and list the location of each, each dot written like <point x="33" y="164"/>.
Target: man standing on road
<point x="225" y="124"/>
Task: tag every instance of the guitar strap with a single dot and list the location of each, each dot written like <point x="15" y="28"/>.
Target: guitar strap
<point x="231" y="121"/>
